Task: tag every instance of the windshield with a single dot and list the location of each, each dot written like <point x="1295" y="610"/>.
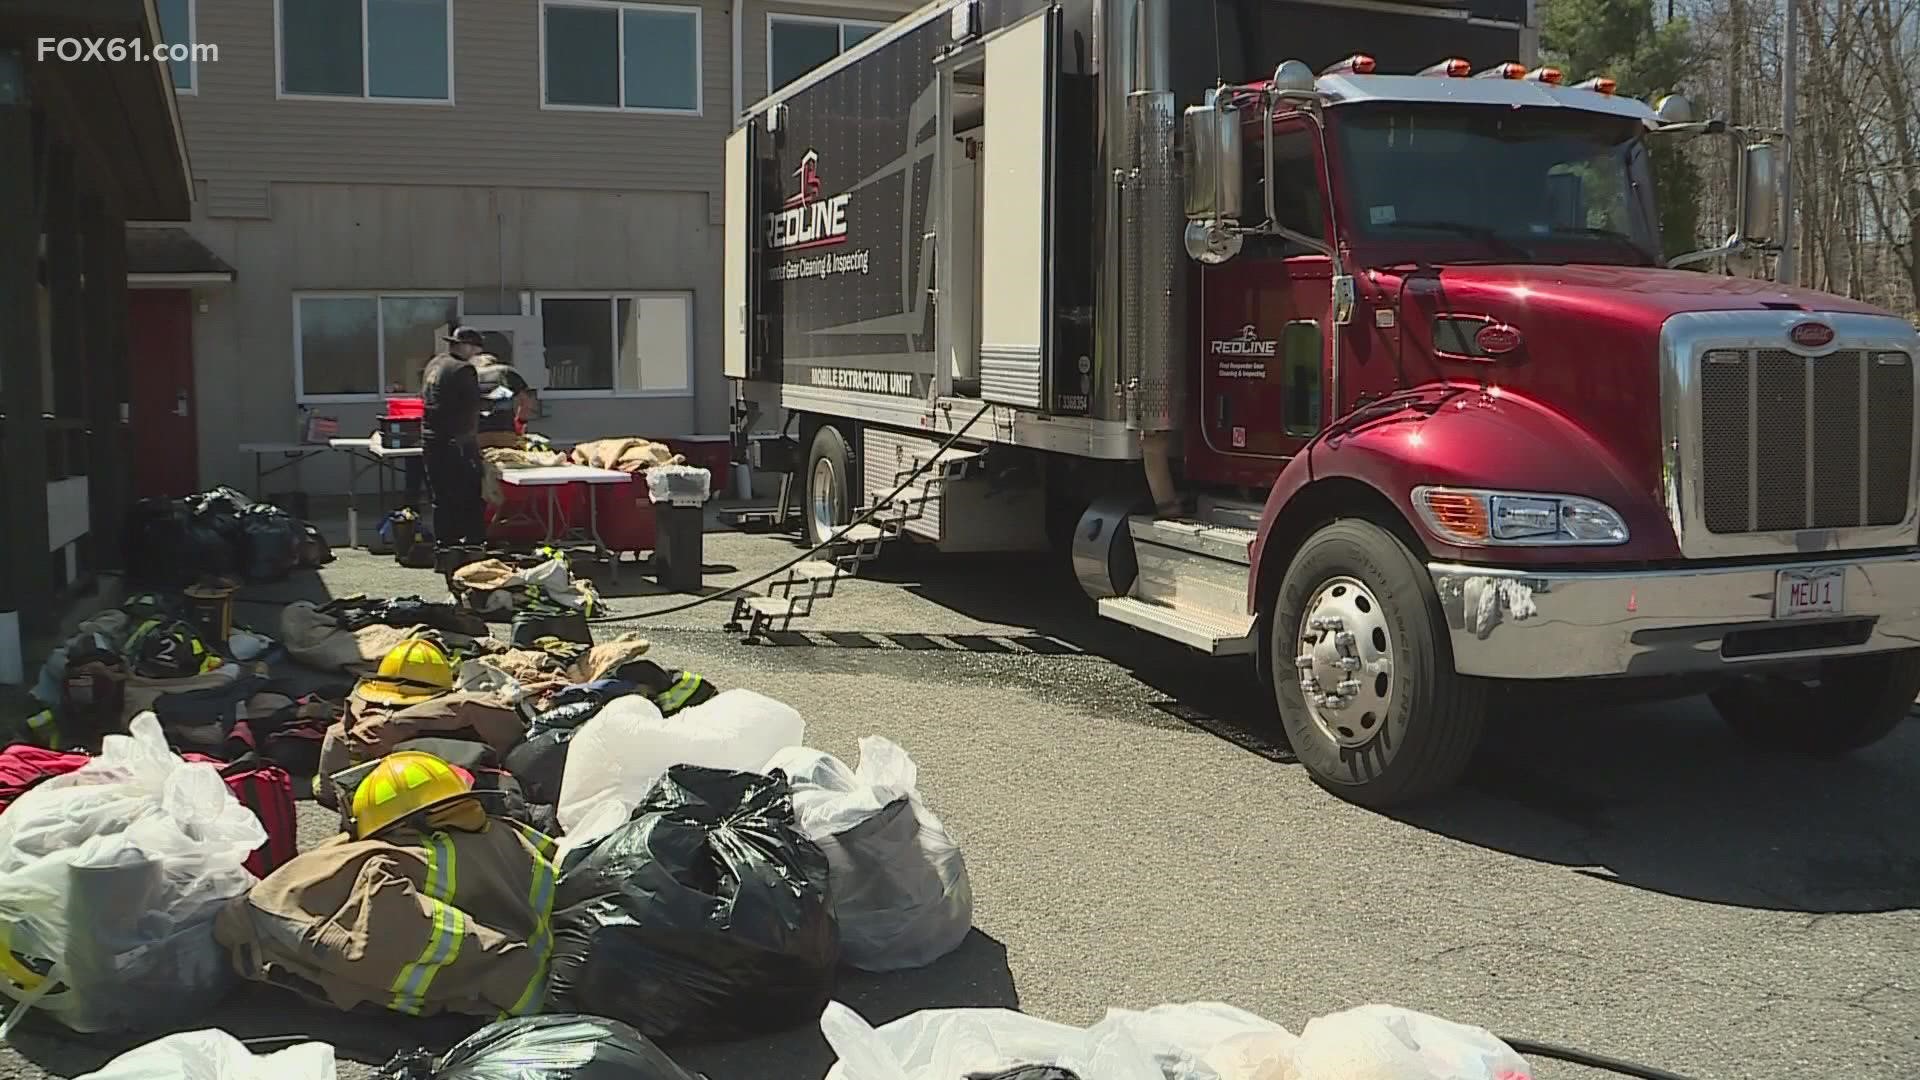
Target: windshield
<point x="1537" y="185"/>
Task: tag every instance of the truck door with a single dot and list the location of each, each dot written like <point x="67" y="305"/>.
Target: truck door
<point x="741" y="284"/>
<point x="1266" y="317"/>
<point x="1016" y="297"/>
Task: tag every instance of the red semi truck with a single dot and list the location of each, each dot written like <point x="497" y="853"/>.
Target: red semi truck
<point x="1341" y="336"/>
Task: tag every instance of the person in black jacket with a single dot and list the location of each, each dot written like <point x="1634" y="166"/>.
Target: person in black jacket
<point x="450" y="433"/>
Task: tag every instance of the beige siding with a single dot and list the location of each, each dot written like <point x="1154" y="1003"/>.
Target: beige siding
<point x="420" y="238"/>
<point x="496" y="133"/>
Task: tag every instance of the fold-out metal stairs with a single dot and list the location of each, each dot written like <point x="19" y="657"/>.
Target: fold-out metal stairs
<point x="792" y="595"/>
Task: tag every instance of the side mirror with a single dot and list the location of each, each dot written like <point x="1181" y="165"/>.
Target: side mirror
<point x="1759" y="194"/>
<point x="1214" y="178"/>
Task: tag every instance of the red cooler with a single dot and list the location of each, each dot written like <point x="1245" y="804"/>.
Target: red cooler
<point x="625" y="514"/>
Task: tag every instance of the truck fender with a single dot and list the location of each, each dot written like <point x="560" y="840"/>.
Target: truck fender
<point x="1476" y="440"/>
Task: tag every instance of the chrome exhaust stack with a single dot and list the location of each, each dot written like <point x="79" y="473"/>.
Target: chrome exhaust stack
<point x="1151" y="299"/>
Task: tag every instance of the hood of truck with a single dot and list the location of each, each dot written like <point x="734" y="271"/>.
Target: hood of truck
<point x="1636" y="294"/>
<point x="1588" y="362"/>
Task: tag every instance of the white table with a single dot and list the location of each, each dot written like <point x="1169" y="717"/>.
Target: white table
<point x="555" y="477"/>
<point x="293" y="452"/>
<point x="364" y="454"/>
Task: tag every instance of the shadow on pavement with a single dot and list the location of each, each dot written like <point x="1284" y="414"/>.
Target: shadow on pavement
<point x="1655" y="796"/>
<point x="1661" y="797"/>
<point x="974" y="975"/>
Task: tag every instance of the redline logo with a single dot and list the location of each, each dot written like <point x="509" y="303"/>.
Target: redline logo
<point x="808" y="221"/>
<point x="1247" y="343"/>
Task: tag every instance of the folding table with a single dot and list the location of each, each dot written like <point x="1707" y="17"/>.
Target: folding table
<point x="555" y="477"/>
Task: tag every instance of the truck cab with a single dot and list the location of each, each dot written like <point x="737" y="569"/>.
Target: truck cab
<point x="1501" y="438"/>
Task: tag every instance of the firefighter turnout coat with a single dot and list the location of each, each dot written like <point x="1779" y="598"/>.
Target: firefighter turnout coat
<point x="419" y="923"/>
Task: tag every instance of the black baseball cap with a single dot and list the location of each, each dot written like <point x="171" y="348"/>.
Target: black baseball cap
<point x="465" y="335"/>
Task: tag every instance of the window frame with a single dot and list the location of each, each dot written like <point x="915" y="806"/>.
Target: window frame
<point x="300" y="395"/>
<point x="612" y="297"/>
<point x="774" y="17"/>
<point x="620" y="7"/>
<point x="192" y="89"/>
<point x="281" y="93"/>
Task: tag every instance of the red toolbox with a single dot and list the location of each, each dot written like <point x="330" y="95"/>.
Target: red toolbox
<point x="625" y="514"/>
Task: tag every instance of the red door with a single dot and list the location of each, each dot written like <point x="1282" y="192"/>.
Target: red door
<point x="166" y="447"/>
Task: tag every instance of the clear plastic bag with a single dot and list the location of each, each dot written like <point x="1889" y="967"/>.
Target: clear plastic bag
<point x="109" y="880"/>
<point x="215" y="1055"/>
<point x="1386" y="1042"/>
<point x="620" y="754"/>
<point x="900" y="887"/>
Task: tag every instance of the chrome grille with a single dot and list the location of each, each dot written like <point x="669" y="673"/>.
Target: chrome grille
<point x="1791" y="442"/>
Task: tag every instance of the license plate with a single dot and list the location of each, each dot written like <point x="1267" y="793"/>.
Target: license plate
<point x="1809" y="592"/>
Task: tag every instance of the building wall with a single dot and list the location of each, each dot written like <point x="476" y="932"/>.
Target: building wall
<point x="489" y="193"/>
<point x="431" y="238"/>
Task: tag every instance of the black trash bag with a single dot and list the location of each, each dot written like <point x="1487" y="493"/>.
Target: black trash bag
<point x="703" y="917"/>
<point x="545" y="1048"/>
<point x="541" y="760"/>
<point x="537" y="620"/>
<point x="1028" y="1072"/>
<point x="169" y="546"/>
<point x="269" y="543"/>
<point x="223" y="509"/>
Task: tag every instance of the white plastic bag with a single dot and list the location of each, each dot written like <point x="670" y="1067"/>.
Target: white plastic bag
<point x="948" y="1044"/>
<point x="215" y="1055"/>
<point x="1386" y="1042"/>
<point x="900" y="888"/>
<point x="1201" y="1041"/>
<point x="620" y="753"/>
<point x="110" y="877"/>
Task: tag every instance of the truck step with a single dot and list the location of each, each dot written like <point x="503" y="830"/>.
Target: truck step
<point x="1212" y="634"/>
<point x="1198" y="537"/>
<point x="772" y="607"/>
<point x="815" y="570"/>
<point x="863" y="534"/>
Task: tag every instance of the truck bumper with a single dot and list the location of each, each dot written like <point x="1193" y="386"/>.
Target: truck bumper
<point x="1519" y="624"/>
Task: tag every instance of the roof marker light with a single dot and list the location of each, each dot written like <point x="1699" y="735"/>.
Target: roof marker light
<point x="1549" y="75"/>
<point x="1599" y="84"/>
<point x="1503" y="71"/>
<point x="1357" y="64"/>
<point x="1455" y="68"/>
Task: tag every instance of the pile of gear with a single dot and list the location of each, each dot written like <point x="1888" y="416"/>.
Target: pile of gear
<point x="173" y="542"/>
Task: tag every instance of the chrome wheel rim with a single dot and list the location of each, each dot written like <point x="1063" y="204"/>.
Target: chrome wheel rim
<point x="1345" y="663"/>
<point x="821" y="500"/>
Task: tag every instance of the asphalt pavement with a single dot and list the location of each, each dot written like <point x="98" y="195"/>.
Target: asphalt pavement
<point x="1625" y="879"/>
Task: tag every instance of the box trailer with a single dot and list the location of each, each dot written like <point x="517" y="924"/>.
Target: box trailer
<point x="1337" y="334"/>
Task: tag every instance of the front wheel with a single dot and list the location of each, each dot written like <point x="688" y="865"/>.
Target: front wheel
<point x="1853" y="703"/>
<point x="1363" y="673"/>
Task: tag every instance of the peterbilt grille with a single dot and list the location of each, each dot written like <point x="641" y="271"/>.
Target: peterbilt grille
<point x="1791" y="442"/>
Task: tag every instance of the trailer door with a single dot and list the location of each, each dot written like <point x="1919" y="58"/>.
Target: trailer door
<point x="740" y="294"/>
<point x="1017" y="229"/>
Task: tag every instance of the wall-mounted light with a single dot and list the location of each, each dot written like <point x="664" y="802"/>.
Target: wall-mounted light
<point x="13" y="78"/>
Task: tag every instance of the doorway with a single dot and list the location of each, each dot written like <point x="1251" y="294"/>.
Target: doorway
<point x="161" y="408"/>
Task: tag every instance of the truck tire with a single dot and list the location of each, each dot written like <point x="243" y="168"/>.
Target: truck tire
<point x="829" y="476"/>
<point x="1855" y="702"/>
<point x="1378" y="716"/>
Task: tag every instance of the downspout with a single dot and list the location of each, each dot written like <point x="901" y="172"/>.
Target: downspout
<point x="739" y="78"/>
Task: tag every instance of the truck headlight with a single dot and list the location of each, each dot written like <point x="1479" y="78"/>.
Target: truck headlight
<point x="1472" y="518"/>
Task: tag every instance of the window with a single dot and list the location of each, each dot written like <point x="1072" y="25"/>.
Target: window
<point x="176" y="28"/>
<point x="380" y="50"/>
<point x="364" y="345"/>
<point x="624" y="344"/>
<point x="637" y="57"/>
<point x="796" y="44"/>
<point x="1297" y="201"/>
<point x="1301" y="352"/>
